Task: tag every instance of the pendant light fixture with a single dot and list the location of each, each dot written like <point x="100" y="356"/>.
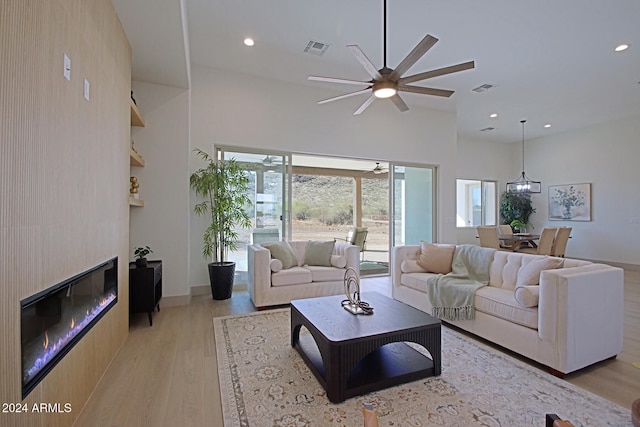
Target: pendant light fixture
<point x="523" y="184"/>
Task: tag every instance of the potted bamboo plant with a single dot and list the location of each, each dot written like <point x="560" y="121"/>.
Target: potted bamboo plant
<point x="223" y="187"/>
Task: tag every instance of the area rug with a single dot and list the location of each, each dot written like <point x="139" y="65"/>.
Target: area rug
<point x="265" y="382"/>
<point x="373" y="267"/>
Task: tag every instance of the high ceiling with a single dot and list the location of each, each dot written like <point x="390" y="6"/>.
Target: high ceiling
<point x="551" y="61"/>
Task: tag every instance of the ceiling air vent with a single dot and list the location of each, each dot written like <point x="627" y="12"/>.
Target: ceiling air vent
<point x="316" y="48"/>
<point x="488" y="129"/>
<point x="483" y="88"/>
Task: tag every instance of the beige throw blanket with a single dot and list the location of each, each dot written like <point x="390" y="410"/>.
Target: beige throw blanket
<point x="452" y="294"/>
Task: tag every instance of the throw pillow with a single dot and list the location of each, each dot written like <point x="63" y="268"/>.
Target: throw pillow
<point x="339" y="261"/>
<point x="282" y="251"/>
<point x="319" y="253"/>
<point x="527" y="296"/>
<point x="275" y="265"/>
<point x="411" y="266"/>
<point x="436" y="258"/>
<point x="529" y="274"/>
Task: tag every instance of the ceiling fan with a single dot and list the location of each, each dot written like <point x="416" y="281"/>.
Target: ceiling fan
<point x="377" y="170"/>
<point x="387" y="82"/>
<point x="270" y="161"/>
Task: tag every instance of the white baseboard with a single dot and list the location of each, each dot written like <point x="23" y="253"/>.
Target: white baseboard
<point x="175" y="301"/>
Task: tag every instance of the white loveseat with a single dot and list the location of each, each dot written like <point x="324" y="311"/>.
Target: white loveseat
<point x="574" y="318"/>
<point x="269" y="285"/>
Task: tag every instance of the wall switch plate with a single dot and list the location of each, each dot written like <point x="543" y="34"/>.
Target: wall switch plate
<point x="87" y="89"/>
<point x="67" y="67"/>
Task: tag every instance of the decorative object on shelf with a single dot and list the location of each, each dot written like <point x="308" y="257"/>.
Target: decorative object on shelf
<point x="133" y="191"/>
<point x="141" y="253"/>
<point x="570" y="202"/>
<point x="134" y="149"/>
<point x="133" y="99"/>
<point x="353" y="304"/>
<point x="224" y="186"/>
<point x="515" y="207"/>
<point x="524" y="184"/>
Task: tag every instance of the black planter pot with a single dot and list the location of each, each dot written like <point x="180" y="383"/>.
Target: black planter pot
<point x="221" y="277"/>
<point x="141" y="262"/>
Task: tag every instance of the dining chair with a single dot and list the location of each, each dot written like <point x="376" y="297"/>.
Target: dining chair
<point x="560" y="242"/>
<point x="488" y="237"/>
<point x="545" y="244"/>
<point x="357" y="236"/>
<point x="504" y="230"/>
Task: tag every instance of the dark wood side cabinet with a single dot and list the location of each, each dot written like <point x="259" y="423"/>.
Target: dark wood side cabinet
<point x="145" y="288"/>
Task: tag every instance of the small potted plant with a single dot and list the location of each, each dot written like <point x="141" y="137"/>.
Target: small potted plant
<point x="518" y="226"/>
<point x="141" y="253"/>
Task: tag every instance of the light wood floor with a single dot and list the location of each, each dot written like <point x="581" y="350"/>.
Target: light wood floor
<point x="166" y="375"/>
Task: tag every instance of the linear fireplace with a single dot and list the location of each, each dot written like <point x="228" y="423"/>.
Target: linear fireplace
<point x="54" y="320"/>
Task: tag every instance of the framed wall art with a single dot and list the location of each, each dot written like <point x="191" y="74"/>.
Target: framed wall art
<point x="571" y="202"/>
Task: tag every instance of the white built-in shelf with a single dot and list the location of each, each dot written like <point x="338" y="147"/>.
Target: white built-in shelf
<point x="136" y="202"/>
<point x="136" y="159"/>
<point x="136" y="117"/>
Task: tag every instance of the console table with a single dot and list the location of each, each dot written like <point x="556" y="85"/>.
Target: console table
<point x="145" y="288"/>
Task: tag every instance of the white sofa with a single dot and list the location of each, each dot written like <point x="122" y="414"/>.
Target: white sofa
<point x="267" y="288"/>
<point x="578" y="319"/>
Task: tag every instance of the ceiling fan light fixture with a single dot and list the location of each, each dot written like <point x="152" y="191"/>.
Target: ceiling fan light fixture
<point x="385" y="89"/>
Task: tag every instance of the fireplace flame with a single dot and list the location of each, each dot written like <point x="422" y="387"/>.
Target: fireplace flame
<point x="73" y="323"/>
<point x="45" y="344"/>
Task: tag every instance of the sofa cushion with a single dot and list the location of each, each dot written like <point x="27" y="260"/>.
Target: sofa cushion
<point x="501" y="303"/>
<point x="529" y="273"/>
<point x="436" y="258"/>
<point x="282" y="251"/>
<point x="275" y="265"/>
<point x="527" y="296"/>
<point x="325" y="274"/>
<point x="319" y="253"/>
<point x="411" y="266"/>
<point x="417" y="281"/>
<point x="291" y="276"/>
<point x="339" y="261"/>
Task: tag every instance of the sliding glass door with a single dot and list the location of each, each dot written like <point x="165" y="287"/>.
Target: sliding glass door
<point x="269" y="201"/>
<point x="413" y="204"/>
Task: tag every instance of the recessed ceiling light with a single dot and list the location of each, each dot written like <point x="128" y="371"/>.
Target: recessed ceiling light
<point x="493" y="115"/>
<point x="621" y="47"/>
<point x="548" y="125"/>
<point x="248" y="41"/>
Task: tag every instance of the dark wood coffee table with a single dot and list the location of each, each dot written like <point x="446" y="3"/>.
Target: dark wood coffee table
<point x="352" y="355"/>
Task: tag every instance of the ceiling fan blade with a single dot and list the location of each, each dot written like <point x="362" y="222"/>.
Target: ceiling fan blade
<point x="336" y="80"/>
<point x="346" y="95"/>
<point x="365" y="105"/>
<point x="399" y="103"/>
<point x="421" y="48"/>
<point x="425" y="90"/>
<point x="439" y="72"/>
<point x="366" y="63"/>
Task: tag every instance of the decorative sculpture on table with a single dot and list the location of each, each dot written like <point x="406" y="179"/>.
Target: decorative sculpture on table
<point x="353" y="304"/>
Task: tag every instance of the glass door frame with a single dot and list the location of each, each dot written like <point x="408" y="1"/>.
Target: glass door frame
<point x="392" y="199"/>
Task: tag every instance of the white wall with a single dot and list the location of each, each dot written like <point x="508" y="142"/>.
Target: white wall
<point x="246" y="111"/>
<point x="605" y="155"/>
<point x="163" y="222"/>
<point x="486" y="161"/>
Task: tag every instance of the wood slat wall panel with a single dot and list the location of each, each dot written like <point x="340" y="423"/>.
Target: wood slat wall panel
<point x="64" y="171"/>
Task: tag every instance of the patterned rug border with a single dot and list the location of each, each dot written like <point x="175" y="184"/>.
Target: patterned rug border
<point x="226" y="371"/>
